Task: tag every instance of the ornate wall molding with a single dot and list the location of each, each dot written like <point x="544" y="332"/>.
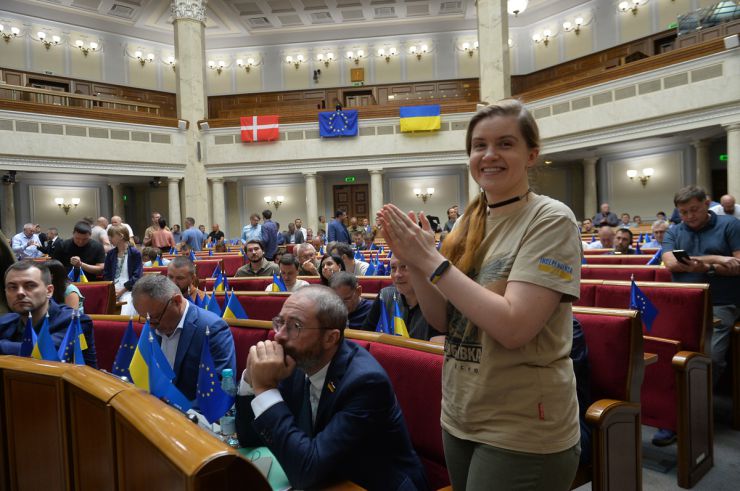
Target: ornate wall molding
<point x="189" y="9"/>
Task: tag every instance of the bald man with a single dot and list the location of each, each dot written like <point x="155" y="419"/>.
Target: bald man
<point x="116" y="220"/>
<point x="727" y="206"/>
<point x="606" y="239"/>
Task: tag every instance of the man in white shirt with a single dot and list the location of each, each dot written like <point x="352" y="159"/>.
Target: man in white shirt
<point x="727" y="206"/>
<point x="606" y="239"/>
<point x="289" y="266"/>
<point x="100" y="233"/>
<point x="26" y="244"/>
<point x="353" y="266"/>
<point x="116" y="220"/>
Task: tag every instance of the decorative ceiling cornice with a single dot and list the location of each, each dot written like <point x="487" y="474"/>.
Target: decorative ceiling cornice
<point x="91" y="166"/>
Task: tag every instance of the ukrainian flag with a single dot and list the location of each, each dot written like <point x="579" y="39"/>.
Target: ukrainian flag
<point x="212" y="305"/>
<point x="44" y="348"/>
<point x="399" y="325"/>
<point x="234" y="309"/>
<point x="278" y="285"/>
<point x="220" y="284"/>
<point x="139" y="367"/>
<point x="420" y="118"/>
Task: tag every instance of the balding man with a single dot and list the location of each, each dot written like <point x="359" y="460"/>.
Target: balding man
<point x="100" y="234"/>
<point x="26" y="244"/>
<point x="606" y="239"/>
<point x="323" y="406"/>
<point x="605" y="217"/>
<point x="306" y="254"/>
<point x="727" y="206"/>
<point x="116" y="220"/>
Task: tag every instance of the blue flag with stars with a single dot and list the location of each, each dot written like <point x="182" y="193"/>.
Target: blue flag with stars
<point x="383" y="325"/>
<point x="70" y="350"/>
<point x="640" y="302"/>
<point x="192" y="255"/>
<point x="29" y="338"/>
<point x="338" y="123"/>
<point x="656" y="259"/>
<point x="213" y="402"/>
<point x="125" y="352"/>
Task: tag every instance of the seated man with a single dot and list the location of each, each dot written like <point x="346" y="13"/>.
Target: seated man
<point x="358" y="239"/>
<point x="623" y="242"/>
<point x="402" y="291"/>
<point x="350" y="291"/>
<point x="356" y="267"/>
<point x="587" y="226"/>
<point x="659" y="227"/>
<point x="257" y="265"/>
<point x="82" y="252"/>
<point x="28" y="288"/>
<point x="307" y="258"/>
<point x="181" y="271"/>
<point x="606" y="239"/>
<point x="324" y="407"/>
<point x="27" y="243"/>
<point x="289" y="265"/>
<point x="180" y="328"/>
<point x="153" y="255"/>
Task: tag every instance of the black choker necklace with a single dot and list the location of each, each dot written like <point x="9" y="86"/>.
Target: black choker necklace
<point x="509" y="201"/>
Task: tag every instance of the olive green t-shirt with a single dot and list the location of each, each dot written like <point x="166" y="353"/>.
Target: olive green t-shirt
<point x="520" y="399"/>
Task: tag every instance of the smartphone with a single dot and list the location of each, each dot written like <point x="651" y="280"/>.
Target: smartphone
<point x="681" y="256"/>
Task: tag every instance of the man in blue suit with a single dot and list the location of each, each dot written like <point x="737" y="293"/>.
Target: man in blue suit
<point x="28" y="289"/>
<point x="180" y="328"/>
<point x="323" y="406"/>
<point x="337" y="231"/>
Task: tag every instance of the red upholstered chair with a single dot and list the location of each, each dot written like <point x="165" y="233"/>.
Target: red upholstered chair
<point x="231" y="263"/>
<point x="588" y="293"/>
<point x="617" y="272"/>
<point x="662" y="274"/>
<point x="100" y="297"/>
<point x="245" y="338"/>
<point x="258" y="305"/>
<point x="204" y="268"/>
<point x="155" y="270"/>
<point x="257" y="284"/>
<point x="108" y="331"/>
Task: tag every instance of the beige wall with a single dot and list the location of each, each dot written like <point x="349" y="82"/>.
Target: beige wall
<point x="388" y="72"/>
<point x="46" y="213"/>
<point x="139" y="75"/>
<point x="634" y="26"/>
<point x="293" y="206"/>
<point x="419" y="70"/>
<point x="446" y="193"/>
<point x="233" y="210"/>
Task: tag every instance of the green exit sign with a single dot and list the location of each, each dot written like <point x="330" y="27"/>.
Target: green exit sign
<point x="723" y="157"/>
<point x="349" y="179"/>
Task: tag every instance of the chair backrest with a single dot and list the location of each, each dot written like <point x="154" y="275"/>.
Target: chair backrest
<point x="232" y="262"/>
<point x="204" y="268"/>
<point x="258" y="305"/>
<point x="100" y="297"/>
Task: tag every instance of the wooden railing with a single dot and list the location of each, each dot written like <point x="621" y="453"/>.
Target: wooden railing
<point x="60" y="98"/>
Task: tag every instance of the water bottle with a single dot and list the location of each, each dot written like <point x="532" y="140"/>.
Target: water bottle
<point x="228" y="424"/>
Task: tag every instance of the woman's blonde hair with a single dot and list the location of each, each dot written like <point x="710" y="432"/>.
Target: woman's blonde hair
<point x="119" y="230"/>
<point x="461" y="245"/>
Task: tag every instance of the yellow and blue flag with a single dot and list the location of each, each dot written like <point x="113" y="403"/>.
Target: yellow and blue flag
<point x="233" y="309"/>
<point x="399" y="325"/>
<point x="420" y="118"/>
<point x="29" y="338"/>
<point x="213" y="402"/>
<point x="371" y="269"/>
<point x="212" y="305"/>
<point x="278" y="285"/>
<point x="44" y="348"/>
<point x="640" y="302"/>
<point x="222" y="283"/>
<point x="77" y="275"/>
<point x="383" y="326"/>
<point x="70" y="351"/>
<point x="125" y="352"/>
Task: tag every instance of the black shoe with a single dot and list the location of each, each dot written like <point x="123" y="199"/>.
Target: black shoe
<point x="663" y="437"/>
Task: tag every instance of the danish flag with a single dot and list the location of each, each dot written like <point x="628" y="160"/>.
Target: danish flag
<point x="259" y="128"/>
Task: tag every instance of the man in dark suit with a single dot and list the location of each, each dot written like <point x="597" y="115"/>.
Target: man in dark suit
<point x="52" y="242"/>
<point x="337" y="231"/>
<point x="323" y="406"/>
<point x="28" y="289"/>
<point x="180" y="328"/>
<point x="293" y="235"/>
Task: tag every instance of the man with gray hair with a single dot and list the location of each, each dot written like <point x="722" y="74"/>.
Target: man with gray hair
<point x="26" y="244"/>
<point x="306" y="254"/>
<point x="323" y="406"/>
<point x="180" y="329"/>
<point x="659" y="227"/>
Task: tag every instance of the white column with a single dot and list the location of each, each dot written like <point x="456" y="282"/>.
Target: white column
<point x="189" y="23"/>
<point x="493" y="54"/>
<point x="219" y="202"/>
<point x="473" y="188"/>
<point x="376" y="192"/>
<point x="9" y="227"/>
<point x="117" y="198"/>
<point x="312" y="202"/>
<point x="703" y="168"/>
<point x="173" y="195"/>
<point x="590" y="200"/>
<point x="733" y="160"/>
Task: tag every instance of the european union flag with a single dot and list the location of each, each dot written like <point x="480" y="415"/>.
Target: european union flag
<point x="216" y="272"/>
<point x="380" y="270"/>
<point x="213" y="402"/>
<point x="192" y="255"/>
<point x="70" y="350"/>
<point x="371" y="269"/>
<point x="338" y="123"/>
<point x="29" y="338"/>
<point x="657" y="258"/>
<point x="44" y="349"/>
<point x="125" y="352"/>
<point x="233" y="309"/>
<point x="76" y="275"/>
<point x="390" y="254"/>
<point x="278" y="285"/>
<point x="640" y="302"/>
<point x="359" y="256"/>
<point x="383" y="325"/>
<point x="213" y="306"/>
<point x="637" y="249"/>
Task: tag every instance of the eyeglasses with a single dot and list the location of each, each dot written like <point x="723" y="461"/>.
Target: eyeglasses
<point x="293" y="328"/>
<point x="156" y="320"/>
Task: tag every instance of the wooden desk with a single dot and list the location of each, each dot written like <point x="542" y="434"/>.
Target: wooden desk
<point x="650" y="358"/>
<point x="61" y="98"/>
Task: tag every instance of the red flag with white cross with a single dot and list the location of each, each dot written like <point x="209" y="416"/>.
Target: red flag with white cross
<point x="260" y="128"/>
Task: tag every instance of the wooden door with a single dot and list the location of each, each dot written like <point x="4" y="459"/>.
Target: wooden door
<point x="354" y="199"/>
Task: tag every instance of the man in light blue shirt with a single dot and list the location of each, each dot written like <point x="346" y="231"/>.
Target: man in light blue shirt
<point x="26" y="244"/>
<point x="253" y="231"/>
<point x="192" y="236"/>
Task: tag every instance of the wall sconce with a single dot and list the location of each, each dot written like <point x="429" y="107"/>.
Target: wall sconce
<point x="470" y="49"/>
<point x="171" y="61"/>
<point x="142" y="59"/>
<point x="632" y="6"/>
<point x="326" y="59"/>
<point x="575" y="26"/>
<point x="356" y="57"/>
<point x="419" y="51"/>
<point x="516" y="7"/>
<point x="644" y="178"/>
<point x="55" y="40"/>
<point x="276" y="202"/>
<point x="387" y="55"/>
<point x="543" y="38"/>
<point x="93" y="46"/>
<point x="7" y="36"/>
<point x="219" y="67"/>
<point x="297" y="62"/>
<point x="66" y="206"/>
<point x="424" y="196"/>
<point x="246" y="66"/>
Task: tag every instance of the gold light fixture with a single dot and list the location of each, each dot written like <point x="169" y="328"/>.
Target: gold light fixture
<point x="326" y="59"/>
<point x="574" y="26"/>
<point x="55" y="40"/>
<point x="387" y="54"/>
<point x="470" y="49"/>
<point x="92" y="46"/>
<point x="516" y="7"/>
<point x="295" y="62"/>
<point x="356" y="57"/>
<point x="65" y="205"/>
<point x="543" y="37"/>
<point x="171" y="61"/>
<point x="424" y="196"/>
<point x="632" y="6"/>
<point x="419" y="51"/>
<point x="7" y="36"/>
<point x="218" y="66"/>
<point x="143" y="59"/>
<point x="274" y="202"/>
<point x="647" y="173"/>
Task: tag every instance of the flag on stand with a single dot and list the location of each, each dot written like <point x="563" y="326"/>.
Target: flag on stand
<point x="44" y="348"/>
<point x="125" y="352"/>
<point x="233" y="309"/>
<point x="399" y="325"/>
<point x="420" y="118"/>
<point x="70" y="351"/>
<point x="260" y="128"/>
<point x="383" y="325"/>
<point x="77" y="275"/>
<point x="278" y="285"/>
<point x="640" y="302"/>
<point x="213" y="402"/>
<point x="30" y="339"/>
<point x="657" y="258"/>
